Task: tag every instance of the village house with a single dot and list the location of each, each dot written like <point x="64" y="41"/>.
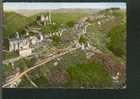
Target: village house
<point x="15" y="44"/>
<point x="22" y="46"/>
<point x="25" y="52"/>
<point x="36" y="39"/>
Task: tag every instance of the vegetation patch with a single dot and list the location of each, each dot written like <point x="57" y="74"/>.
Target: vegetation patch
<point x="117" y="42"/>
<point x="91" y="75"/>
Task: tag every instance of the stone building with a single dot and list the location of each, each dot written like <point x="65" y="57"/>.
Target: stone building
<point x="36" y="39"/>
<point x="44" y="19"/>
<point x="23" y="45"/>
<point x="18" y="44"/>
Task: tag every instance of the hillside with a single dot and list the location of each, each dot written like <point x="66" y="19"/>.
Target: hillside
<point x="105" y="32"/>
<point x="19" y="21"/>
<point x="14" y="23"/>
<point x="29" y="13"/>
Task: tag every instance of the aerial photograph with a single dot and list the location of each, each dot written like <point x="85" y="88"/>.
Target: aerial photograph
<point x="65" y="45"/>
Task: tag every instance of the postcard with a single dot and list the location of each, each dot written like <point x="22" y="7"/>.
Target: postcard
<point x="64" y="45"/>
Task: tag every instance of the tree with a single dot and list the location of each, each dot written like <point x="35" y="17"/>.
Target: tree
<point x="70" y="24"/>
<point x="117" y="42"/>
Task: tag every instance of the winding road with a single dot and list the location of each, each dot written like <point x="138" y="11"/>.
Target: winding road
<point x="16" y="78"/>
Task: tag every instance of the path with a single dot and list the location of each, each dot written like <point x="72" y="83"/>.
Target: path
<point x="38" y="65"/>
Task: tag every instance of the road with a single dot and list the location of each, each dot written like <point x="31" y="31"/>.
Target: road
<point x="18" y="77"/>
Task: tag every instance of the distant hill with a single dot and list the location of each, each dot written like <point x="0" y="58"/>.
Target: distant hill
<point x="36" y="11"/>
